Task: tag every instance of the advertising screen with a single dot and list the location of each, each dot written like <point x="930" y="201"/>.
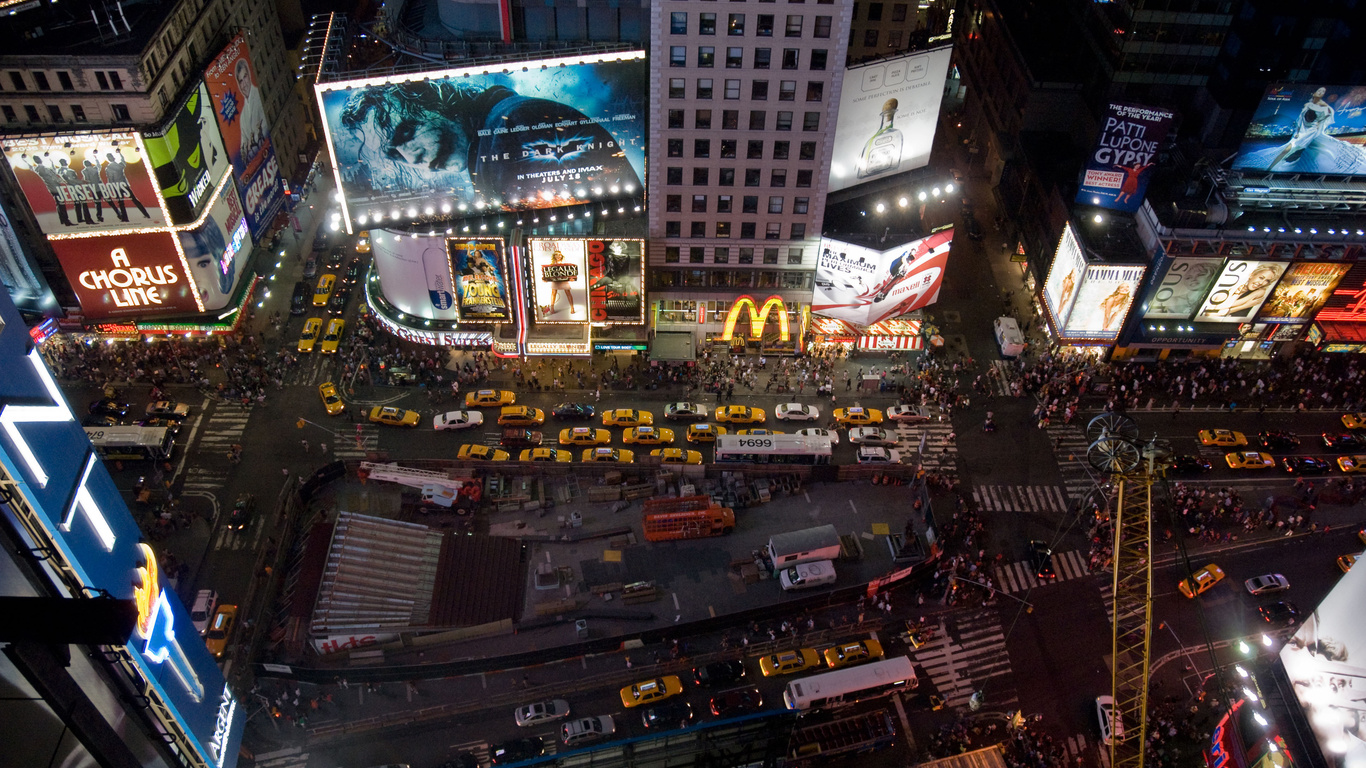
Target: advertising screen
<point x="188" y="158"/>
<point x="1182" y="289"/>
<point x="559" y="273"/>
<point x="1064" y="276"/>
<point x="217" y="250"/>
<point x="534" y="135"/>
<point x="134" y="274"/>
<point x="614" y="290"/>
<point x="1240" y="290"/>
<point x="1306" y="129"/>
<point x="480" y="278"/>
<point x="415" y="273"/>
<point x="85" y="182"/>
<point x="1347" y="302"/>
<point x="1103" y="300"/>
<point x="863" y="286"/>
<point x="22" y="279"/>
<point x="887" y="115"/>
<point x="1117" y="170"/>
<point x="241" y="115"/>
<point x="1302" y="292"/>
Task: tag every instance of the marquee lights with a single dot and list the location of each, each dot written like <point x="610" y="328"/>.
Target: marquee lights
<point x="757" y="318"/>
<point x="156" y="624"/>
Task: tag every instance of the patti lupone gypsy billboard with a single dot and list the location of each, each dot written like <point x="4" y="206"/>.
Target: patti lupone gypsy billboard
<point x="1302" y="292"/>
<point x="480" y="279"/>
<point x="534" y="134"/>
<point x="614" y="274"/>
<point x="415" y="273"/>
<point x="241" y="114"/>
<point x="85" y="182"/>
<point x="1307" y="129"/>
<point x="863" y="286"/>
<point x="559" y="275"/>
<point x="1119" y="166"/>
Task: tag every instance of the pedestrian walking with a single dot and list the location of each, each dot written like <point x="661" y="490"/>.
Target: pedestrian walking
<point x="304" y="443"/>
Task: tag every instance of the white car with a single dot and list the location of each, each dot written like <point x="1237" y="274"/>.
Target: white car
<point x="168" y="409"/>
<point x="541" y="712"/>
<point x="1266" y="585"/>
<point x="868" y="455"/>
<point x="587" y="729"/>
<point x="1111" y="725"/>
<point x="818" y="432"/>
<point x="443" y="422"/>
<point x="908" y="414"/>
<point x="872" y="436"/>
<point x="686" y="411"/>
<point x="797" y="412"/>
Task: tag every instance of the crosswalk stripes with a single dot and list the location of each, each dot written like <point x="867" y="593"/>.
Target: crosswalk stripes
<point x="1069" y="447"/>
<point x="941" y="453"/>
<point x="210" y="478"/>
<point x="968" y="654"/>
<point x="1017" y="577"/>
<point x="290" y="757"/>
<point x="1021" y="498"/>
<point x="999" y="381"/>
<point x="356" y="444"/>
<point x="1080" y="750"/>
<point x="224" y="428"/>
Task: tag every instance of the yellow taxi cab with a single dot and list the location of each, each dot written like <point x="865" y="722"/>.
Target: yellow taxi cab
<point x="545" y="454"/>
<point x="1224" y="438"/>
<point x="677" y="456"/>
<point x="704" y="433"/>
<point x="648" y="435"/>
<point x="1354" y="420"/>
<point x="627" y="417"/>
<point x="469" y="452"/>
<point x="650" y="691"/>
<point x="787" y="662"/>
<point x="521" y="416"/>
<point x="396" y="417"/>
<point x="1249" y="460"/>
<point x="759" y="432"/>
<point x="740" y="414"/>
<point x="1354" y="463"/>
<point x="858" y="416"/>
<point x="849" y="654"/>
<point x="220" y="629"/>
<point x="331" y="400"/>
<point x="489" y="397"/>
<point x="585" y="436"/>
<point x="324" y="290"/>
<point x="310" y="335"/>
<point x="620" y="456"/>
<point x="1345" y="562"/>
<point x="363" y="241"/>
<point x="1202" y="580"/>
<point x="332" y="338"/>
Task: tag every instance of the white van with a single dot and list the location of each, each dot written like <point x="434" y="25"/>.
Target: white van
<point x="1008" y="337"/>
<point x="805" y="575"/>
<point x="1111" y="724"/>
<point x="204" y="604"/>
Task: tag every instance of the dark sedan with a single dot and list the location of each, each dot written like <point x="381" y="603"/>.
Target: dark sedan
<point x="719" y="673"/>
<point x="242" y="513"/>
<point x="1041" y="557"/>
<point x="353" y="270"/>
<point x="1185" y="464"/>
<point x="1344" y="441"/>
<point x="1279" y="613"/>
<point x="109" y="407"/>
<point x="98" y="420"/>
<point x="1278" y="441"/>
<point x="670" y="714"/>
<point x="737" y="701"/>
<point x="573" y="411"/>
<point x="515" y="751"/>
<point x="337" y="304"/>
<point x="1305" y="465"/>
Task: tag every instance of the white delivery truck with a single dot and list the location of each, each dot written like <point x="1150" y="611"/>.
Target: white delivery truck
<point x="1008" y="336"/>
<point x="805" y="546"/>
<point x="806" y="575"/>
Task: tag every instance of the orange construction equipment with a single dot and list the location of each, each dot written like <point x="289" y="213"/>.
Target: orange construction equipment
<point x="691" y="517"/>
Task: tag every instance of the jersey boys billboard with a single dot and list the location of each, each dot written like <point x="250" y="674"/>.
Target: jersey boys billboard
<point x="85" y="182"/>
<point x="614" y="281"/>
<point x="1119" y="166"/>
<point x="535" y="135"/>
<point x="863" y="286"/>
<point x="1307" y="129"/>
<point x="241" y="114"/>
<point x="480" y="279"/>
<point x="887" y="114"/>
<point x="188" y="158"/>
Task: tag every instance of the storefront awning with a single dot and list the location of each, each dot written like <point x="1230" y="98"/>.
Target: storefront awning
<point x="833" y="329"/>
<point x="891" y="342"/>
<point x="673" y="347"/>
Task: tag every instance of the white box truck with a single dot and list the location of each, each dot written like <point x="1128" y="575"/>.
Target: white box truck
<point x="805" y="546"/>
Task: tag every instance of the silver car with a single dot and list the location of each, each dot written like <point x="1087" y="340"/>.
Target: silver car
<point x="443" y="422"/>
<point x="1266" y="585"/>
<point x="541" y="712"/>
<point x="872" y="436"/>
<point x="587" y="729"/>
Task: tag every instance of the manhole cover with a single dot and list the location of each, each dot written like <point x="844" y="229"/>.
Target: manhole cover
<point x="952" y="316"/>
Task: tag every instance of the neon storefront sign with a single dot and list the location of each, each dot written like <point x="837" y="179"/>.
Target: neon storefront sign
<point x="758" y="317"/>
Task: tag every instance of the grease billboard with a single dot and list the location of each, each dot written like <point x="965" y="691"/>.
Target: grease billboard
<point x="614" y="273"/>
<point x="864" y="286"/>
<point x="85" y="182"/>
<point x="1103" y="301"/>
<point x="1302" y="292"/>
<point x="188" y="158"/>
<point x="480" y="278"/>
<point x="887" y="115"/>
<point x="1064" y="277"/>
<point x="136" y="274"/>
<point x="559" y="272"/>
<point x="1239" y="290"/>
<point x="1183" y="286"/>
<point x="415" y="273"/>
<point x="534" y="134"/>
<point x="1306" y="129"/>
<point x="241" y="114"/>
<point x="1117" y="171"/>
<point x="217" y="249"/>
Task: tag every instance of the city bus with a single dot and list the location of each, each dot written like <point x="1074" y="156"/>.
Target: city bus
<point x="773" y="449"/>
<point x="132" y="442"/>
<point x="850" y="685"/>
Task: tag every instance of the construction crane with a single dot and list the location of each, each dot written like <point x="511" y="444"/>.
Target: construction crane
<point x="1133" y="466"/>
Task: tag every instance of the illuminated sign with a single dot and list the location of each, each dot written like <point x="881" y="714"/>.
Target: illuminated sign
<point x="212" y="249"/>
<point x="128" y="274"/>
<point x="757" y="318"/>
<point x="1302" y="292"/>
<point x="863" y="286"/>
<point x="614" y="272"/>
<point x="1064" y="277"/>
<point x="1103" y="301"/>
<point x="415" y="273"/>
<point x="1118" y="169"/>
<point x="1182" y="289"/>
<point x="463" y="339"/>
<point x="1347" y="302"/>
<point x="188" y="158"/>
<point x="1295" y="129"/>
<point x="156" y="623"/>
<point x="240" y="111"/>
<point x="559" y="276"/>
<point x="534" y="134"/>
<point x="480" y="278"/>
<point x="1239" y="291"/>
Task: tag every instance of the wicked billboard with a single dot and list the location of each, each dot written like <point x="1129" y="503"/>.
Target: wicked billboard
<point x="188" y="157"/>
<point x="85" y="182"/>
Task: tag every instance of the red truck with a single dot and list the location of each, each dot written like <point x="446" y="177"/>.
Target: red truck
<point x="691" y="517"/>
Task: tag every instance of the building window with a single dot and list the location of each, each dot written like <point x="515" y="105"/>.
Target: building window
<point x="757" y="119"/>
<point x="804" y="178"/>
<point x="780" y="150"/>
<point x="754" y="150"/>
<point x="875" y="11"/>
<point x="730" y="119"/>
<point x="818" y="58"/>
<point x="78" y="113"/>
<point x="17" y="80"/>
<point x="773" y="230"/>
<point x="787" y="90"/>
<point x="698" y="229"/>
<point x="695" y="278"/>
<point x="706" y="56"/>
<point x="675" y="147"/>
<point x="728" y="148"/>
<point x="699" y="203"/>
<point x="870" y="38"/>
<point x="758" y="90"/>
<point x="778" y="178"/>
<point x="723" y="203"/>
<point x="727" y="177"/>
<point x="775" y="204"/>
<point x="673" y="176"/>
<point x="811" y="121"/>
<point x="723" y="229"/>
<point x="800" y="204"/>
<point x="10" y="115"/>
<point x="765" y="28"/>
<point x="675" y="118"/>
<point x="721" y="254"/>
<point x="696" y="254"/>
<point x="795" y="280"/>
<point x="701" y="147"/>
<point x="794" y="25"/>
<point x="784" y="121"/>
<point x="735" y="58"/>
<point x="752" y="177"/>
<point x="673" y="203"/>
<point x="899" y="12"/>
<point x="41" y="79"/>
<point x="702" y="119"/>
<point x="746" y="255"/>
<point x="704" y="87"/>
<point x="677" y="87"/>
<point x="806" y="150"/>
<point x="673" y="229"/>
<point x="32" y="113"/>
<point x="790" y="57"/>
<point x="798" y="233"/>
<point x="746" y="233"/>
<point x="64" y="80"/>
<point x="822" y="27"/>
<point x="706" y="23"/>
<point x="699" y="177"/>
<point x="894" y="38"/>
<point x="55" y="112"/>
<point x="111" y="82"/>
<point x="678" y="23"/>
<point x="763" y="57"/>
<point x="751" y="204"/>
<point x="771" y="254"/>
<point x="671" y="254"/>
<point x="794" y="255"/>
<point x="732" y="89"/>
<point x="815" y="91"/>
<point x="736" y="25"/>
<point x="678" y="56"/>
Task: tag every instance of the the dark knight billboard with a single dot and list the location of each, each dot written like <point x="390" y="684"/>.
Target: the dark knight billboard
<point x="1119" y="166"/>
<point x="534" y="134"/>
<point x="1307" y="129"/>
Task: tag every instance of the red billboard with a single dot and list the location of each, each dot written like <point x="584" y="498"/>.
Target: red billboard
<point x="1347" y="302"/>
<point x="135" y="274"/>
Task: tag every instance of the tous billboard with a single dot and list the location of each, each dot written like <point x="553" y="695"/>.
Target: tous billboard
<point x="131" y="274"/>
<point x="85" y="182"/>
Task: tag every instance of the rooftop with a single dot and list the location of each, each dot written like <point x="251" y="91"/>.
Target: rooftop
<point x="121" y="28"/>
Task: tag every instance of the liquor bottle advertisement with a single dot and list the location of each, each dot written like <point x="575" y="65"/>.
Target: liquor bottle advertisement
<point x="887" y="115"/>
